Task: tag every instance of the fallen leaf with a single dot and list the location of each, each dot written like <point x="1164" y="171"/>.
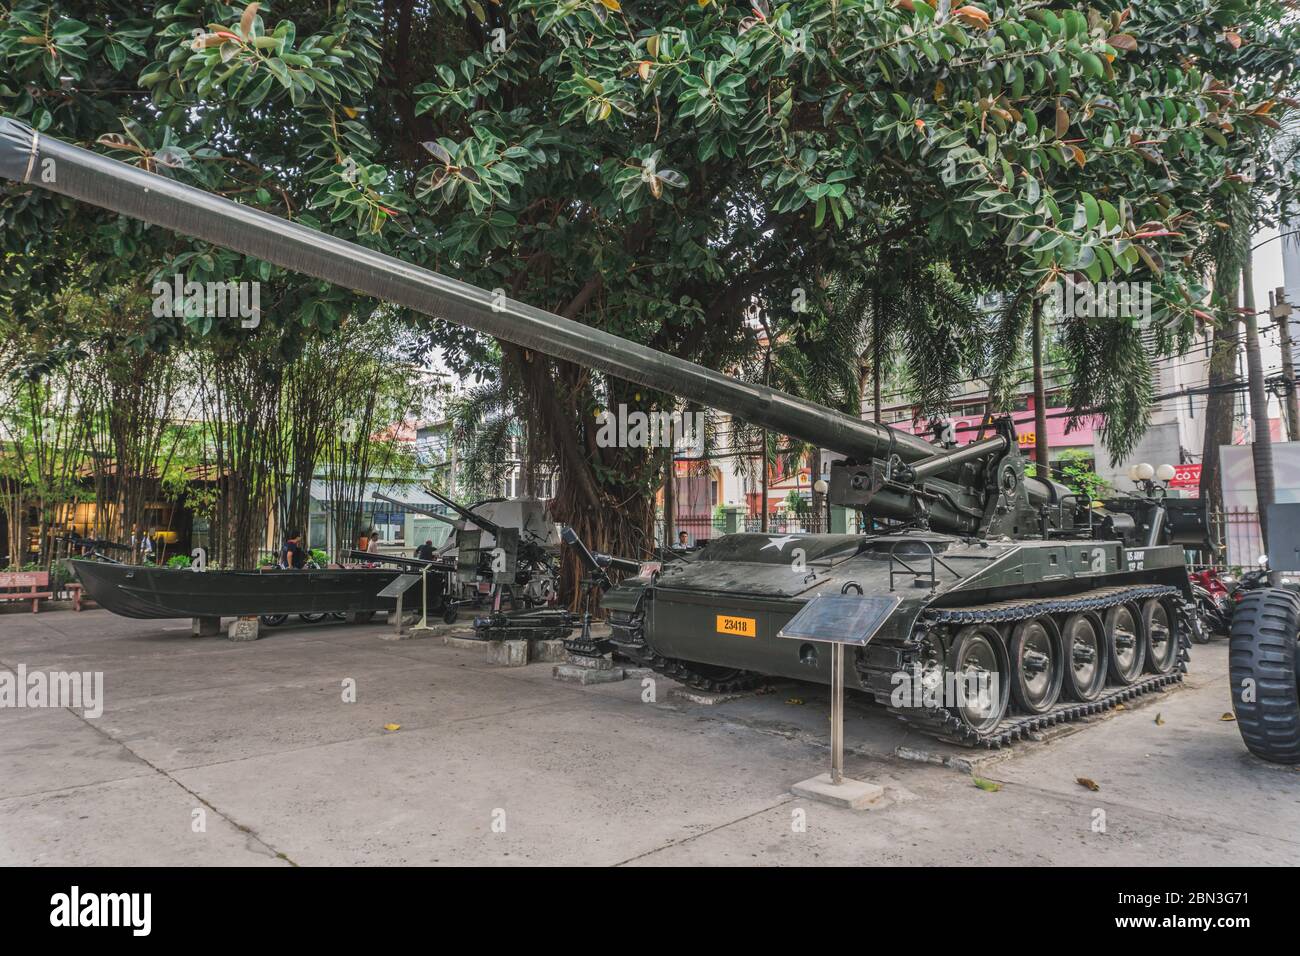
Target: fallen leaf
<point x="392" y="726"/>
<point x="1090" y="784"/>
<point x="1160" y="720"/>
<point x="1120" y="707"/>
<point x="986" y="785"/>
<point x="1228" y="717"/>
<point x="794" y="700"/>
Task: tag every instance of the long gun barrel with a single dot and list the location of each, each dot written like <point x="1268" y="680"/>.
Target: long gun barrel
<point x="466" y="513"/>
<point x="420" y="510"/>
<point x="25" y="156"/>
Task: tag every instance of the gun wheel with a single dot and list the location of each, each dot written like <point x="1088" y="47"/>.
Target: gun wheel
<point x="1036" y="665"/>
<point x="1085" y="656"/>
<point x="978" y="660"/>
<point x="1126" y="648"/>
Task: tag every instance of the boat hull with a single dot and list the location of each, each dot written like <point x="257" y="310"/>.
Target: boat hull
<point x="154" y="593"/>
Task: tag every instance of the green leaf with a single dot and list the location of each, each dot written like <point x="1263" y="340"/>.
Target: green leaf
<point x="1091" y="210"/>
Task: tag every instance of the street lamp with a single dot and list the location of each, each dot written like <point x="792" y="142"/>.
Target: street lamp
<point x="820" y="487"/>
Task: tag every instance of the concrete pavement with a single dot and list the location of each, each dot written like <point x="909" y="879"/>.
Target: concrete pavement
<point x="497" y="765"/>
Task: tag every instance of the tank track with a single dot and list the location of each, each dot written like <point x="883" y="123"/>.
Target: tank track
<point x="941" y="722"/>
<point x="628" y="637"/>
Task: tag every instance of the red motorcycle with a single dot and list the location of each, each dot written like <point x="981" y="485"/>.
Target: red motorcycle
<point x="1214" y="604"/>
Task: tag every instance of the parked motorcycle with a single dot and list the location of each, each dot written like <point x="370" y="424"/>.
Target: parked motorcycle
<point x="1213" y="604"/>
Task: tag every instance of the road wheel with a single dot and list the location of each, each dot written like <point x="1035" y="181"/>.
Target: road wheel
<point x="274" y="620"/>
<point x="1264" y="667"/>
<point x="1085" y="656"/>
<point x="1160" y="635"/>
<point x="449" y="615"/>
<point x="1036" y="665"/>
<point x="1126" y="648"/>
<point x="978" y="661"/>
<point x="312" y="618"/>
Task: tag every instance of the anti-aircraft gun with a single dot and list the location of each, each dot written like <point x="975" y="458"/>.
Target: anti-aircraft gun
<point x="979" y="574"/>
<point x="500" y="547"/>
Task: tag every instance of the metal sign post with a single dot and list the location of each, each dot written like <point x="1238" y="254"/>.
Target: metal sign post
<point x="837" y="714"/>
<point x="838" y="620"/>
<point x="398" y="587"/>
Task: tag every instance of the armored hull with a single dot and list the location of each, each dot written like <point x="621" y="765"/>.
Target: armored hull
<point x="1065" y="627"/>
<point x="153" y="593"/>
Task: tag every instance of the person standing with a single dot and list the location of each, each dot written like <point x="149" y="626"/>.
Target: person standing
<point x="294" y="555"/>
<point x="425" y="551"/>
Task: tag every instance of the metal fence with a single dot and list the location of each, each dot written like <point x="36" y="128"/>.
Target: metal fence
<point x="1239" y="531"/>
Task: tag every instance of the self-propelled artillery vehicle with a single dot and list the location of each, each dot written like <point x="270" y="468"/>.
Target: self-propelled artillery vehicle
<point x="979" y="570"/>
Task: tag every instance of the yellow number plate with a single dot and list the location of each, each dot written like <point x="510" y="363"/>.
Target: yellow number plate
<point x="743" y="626"/>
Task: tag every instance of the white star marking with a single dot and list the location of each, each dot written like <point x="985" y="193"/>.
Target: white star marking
<point x="779" y="543"/>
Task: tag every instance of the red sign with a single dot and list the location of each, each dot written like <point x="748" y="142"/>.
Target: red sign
<point x="1186" y="476"/>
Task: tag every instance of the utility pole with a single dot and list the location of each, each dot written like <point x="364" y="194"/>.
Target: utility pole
<point x="1261" y="447"/>
<point x="670" y="505"/>
<point x="1279" y="309"/>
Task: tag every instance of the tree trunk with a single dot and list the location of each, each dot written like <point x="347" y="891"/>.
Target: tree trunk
<point x="1218" y="408"/>
<point x="877" y="357"/>
<point x="1041" y="449"/>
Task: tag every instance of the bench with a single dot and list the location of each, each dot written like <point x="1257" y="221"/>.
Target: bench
<point x="25" y="586"/>
<point x="76" y="590"/>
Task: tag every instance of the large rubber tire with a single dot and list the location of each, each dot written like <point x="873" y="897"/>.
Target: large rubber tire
<point x="1263" y="658"/>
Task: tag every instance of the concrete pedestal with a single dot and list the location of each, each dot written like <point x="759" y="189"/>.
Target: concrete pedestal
<point x="703" y="696"/>
<point x="463" y="642"/>
<point x="850" y="794"/>
<point x="507" y="653"/>
<point x="205" y="626"/>
<point x="546" y="652"/>
<point x="603" y="663"/>
<point x="575" y="674"/>
<point x="244" y="629"/>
